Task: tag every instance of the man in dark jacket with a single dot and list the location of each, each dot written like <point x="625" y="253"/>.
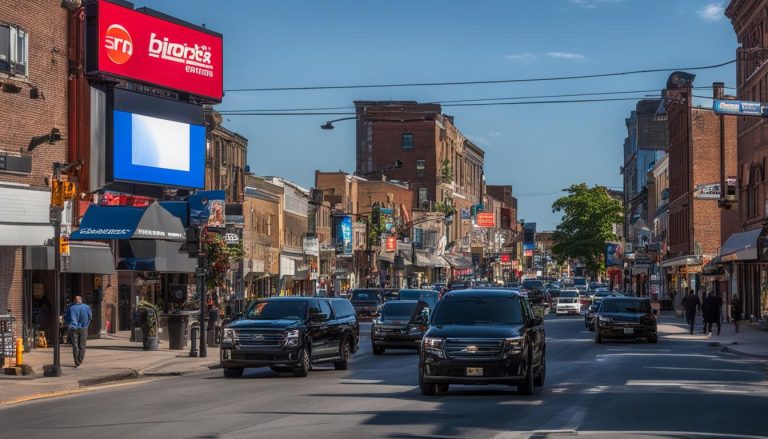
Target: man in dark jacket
<point x="712" y="307"/>
<point x="78" y="318"/>
<point x="691" y="304"/>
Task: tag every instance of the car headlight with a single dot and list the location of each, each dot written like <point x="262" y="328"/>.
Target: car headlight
<point x="604" y="321"/>
<point x="228" y="336"/>
<point x="513" y="344"/>
<point x="292" y="338"/>
<point x="433" y="346"/>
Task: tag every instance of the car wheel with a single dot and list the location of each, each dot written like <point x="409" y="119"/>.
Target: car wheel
<point x="233" y="372"/>
<point x="443" y="387"/>
<point x="378" y="350"/>
<point x="427" y="389"/>
<point x="304" y="364"/>
<point x="541" y="376"/>
<point x="599" y="337"/>
<point x="280" y="369"/>
<point x="343" y="364"/>
<point x="526" y="387"/>
<point x="653" y="339"/>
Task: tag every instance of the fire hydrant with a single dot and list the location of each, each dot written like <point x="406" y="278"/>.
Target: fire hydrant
<point x="19" y="351"/>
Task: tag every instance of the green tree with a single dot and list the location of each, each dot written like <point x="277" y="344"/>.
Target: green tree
<point x="588" y="218"/>
<point x="446" y="172"/>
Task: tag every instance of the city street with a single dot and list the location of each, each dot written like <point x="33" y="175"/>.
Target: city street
<point x="676" y="388"/>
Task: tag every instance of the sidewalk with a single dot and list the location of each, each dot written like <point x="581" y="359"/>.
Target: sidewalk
<point x="748" y="342"/>
<point x="108" y="359"/>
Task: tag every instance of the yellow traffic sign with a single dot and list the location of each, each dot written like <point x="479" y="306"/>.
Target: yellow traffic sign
<point x="57" y="194"/>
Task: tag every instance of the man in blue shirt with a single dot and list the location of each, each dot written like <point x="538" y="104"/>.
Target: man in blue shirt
<point x="78" y="317"/>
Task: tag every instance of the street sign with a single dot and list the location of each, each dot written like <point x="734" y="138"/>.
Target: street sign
<point x="739" y="108"/>
<point x="486" y="219"/>
<point x="709" y="191"/>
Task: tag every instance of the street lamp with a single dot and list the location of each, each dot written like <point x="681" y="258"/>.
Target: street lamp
<point x="329" y="125"/>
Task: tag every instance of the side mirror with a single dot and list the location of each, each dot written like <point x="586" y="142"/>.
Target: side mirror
<point x="536" y="321"/>
<point x="420" y="320"/>
<point x="318" y="317"/>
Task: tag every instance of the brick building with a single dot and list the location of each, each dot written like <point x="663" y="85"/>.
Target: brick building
<point x="749" y="278"/>
<point x="225" y="160"/>
<point x="442" y="166"/>
<point x="262" y="208"/>
<point x="694" y="159"/>
<point x="35" y="120"/>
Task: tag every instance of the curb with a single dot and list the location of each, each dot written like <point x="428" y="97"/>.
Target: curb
<point x="731" y="350"/>
<point x="120" y="376"/>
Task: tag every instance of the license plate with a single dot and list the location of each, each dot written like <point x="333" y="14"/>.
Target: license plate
<point x="629" y="330"/>
<point x="474" y="371"/>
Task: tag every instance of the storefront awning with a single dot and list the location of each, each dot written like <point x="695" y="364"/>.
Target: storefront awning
<point x="426" y="259"/>
<point x="740" y="247"/>
<point x="387" y="257"/>
<point x="91" y="258"/>
<point x="458" y="261"/>
<point x="683" y="260"/>
<point x="161" y="256"/>
<point x="125" y="222"/>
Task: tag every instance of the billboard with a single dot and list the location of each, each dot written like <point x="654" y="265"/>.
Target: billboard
<point x="486" y="219"/>
<point x="708" y="191"/>
<point x="155" y="141"/>
<point x="207" y="209"/>
<point x="147" y="46"/>
<point x="343" y="229"/>
<point x="613" y="255"/>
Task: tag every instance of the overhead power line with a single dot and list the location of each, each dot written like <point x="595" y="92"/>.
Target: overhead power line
<point x="448" y="102"/>
<point x="494" y="81"/>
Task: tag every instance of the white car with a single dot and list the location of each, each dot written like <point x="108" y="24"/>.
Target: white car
<point x="568" y="302"/>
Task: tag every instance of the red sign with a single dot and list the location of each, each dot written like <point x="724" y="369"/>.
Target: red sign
<point x="486" y="219"/>
<point x="505" y="259"/>
<point x="144" y="48"/>
<point x="391" y="244"/>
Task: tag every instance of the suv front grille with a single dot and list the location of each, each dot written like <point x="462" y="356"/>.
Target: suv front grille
<point x="476" y="349"/>
<point x="259" y="338"/>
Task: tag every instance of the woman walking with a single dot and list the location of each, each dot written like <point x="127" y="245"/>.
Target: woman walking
<point x="736" y="311"/>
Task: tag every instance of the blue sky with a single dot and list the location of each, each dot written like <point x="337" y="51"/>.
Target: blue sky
<point x="537" y="149"/>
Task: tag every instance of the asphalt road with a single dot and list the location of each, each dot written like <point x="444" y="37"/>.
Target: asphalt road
<point x="677" y="388"/>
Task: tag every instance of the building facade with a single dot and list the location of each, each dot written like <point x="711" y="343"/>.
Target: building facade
<point x="262" y="210"/>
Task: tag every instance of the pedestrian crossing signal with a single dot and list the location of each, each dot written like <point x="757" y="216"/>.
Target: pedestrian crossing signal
<point x="64" y="245"/>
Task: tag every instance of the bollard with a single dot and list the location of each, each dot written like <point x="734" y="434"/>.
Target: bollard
<point x="19" y="351"/>
<point x="193" y="338"/>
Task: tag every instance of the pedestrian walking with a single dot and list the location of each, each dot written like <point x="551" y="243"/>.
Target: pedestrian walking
<point x="710" y="310"/>
<point x="736" y="311"/>
<point x="691" y="304"/>
<point x="78" y="318"/>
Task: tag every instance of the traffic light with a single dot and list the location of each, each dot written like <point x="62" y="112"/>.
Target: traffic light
<point x="193" y="241"/>
<point x="376" y="215"/>
<point x="473" y="210"/>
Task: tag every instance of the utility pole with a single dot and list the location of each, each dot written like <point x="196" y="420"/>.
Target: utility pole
<point x="201" y="287"/>
<point x="60" y="191"/>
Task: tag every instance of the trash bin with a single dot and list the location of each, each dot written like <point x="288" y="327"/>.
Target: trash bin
<point x="177" y="331"/>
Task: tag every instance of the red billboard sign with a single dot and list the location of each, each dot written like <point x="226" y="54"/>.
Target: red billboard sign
<point x="505" y="258"/>
<point x="486" y="219"/>
<point x="391" y="243"/>
<point x="138" y="46"/>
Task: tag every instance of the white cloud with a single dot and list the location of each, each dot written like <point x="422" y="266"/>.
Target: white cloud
<point x="712" y="11"/>
<point x="522" y="57"/>
<point x="566" y="55"/>
<point x="592" y="4"/>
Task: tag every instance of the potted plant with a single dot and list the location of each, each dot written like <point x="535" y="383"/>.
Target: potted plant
<point x="147" y="318"/>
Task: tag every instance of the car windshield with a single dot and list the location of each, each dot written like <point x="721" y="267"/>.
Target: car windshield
<point x="569" y="294"/>
<point x="365" y="295"/>
<point x="533" y="284"/>
<point x="410" y="294"/>
<point x="278" y="310"/>
<point x="397" y="311"/>
<point x="630" y="306"/>
<point x="478" y="310"/>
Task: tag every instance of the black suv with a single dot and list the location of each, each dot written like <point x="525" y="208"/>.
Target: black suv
<point x="625" y="317"/>
<point x="536" y="290"/>
<point x="289" y="334"/>
<point x="366" y="301"/>
<point x="483" y="337"/>
<point x="401" y="325"/>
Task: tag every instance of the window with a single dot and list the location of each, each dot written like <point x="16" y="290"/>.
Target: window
<point x="423" y="196"/>
<point x="407" y="141"/>
<point x="325" y="308"/>
<point x="13" y="50"/>
<point x="421" y="166"/>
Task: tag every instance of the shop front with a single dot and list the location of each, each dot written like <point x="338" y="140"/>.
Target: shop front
<point x="461" y="267"/>
<point x="682" y="274"/>
<point x="429" y="268"/>
<point x="749" y="278"/>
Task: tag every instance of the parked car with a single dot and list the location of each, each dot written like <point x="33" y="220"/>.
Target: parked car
<point x="483" y="337"/>
<point x="589" y="317"/>
<point x="567" y="302"/>
<point x="366" y="301"/>
<point x="459" y="285"/>
<point x="625" y="317"/>
<point x="289" y="334"/>
<point x="401" y="325"/>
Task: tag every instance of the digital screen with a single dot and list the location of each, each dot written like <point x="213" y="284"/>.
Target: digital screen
<point x="149" y="149"/>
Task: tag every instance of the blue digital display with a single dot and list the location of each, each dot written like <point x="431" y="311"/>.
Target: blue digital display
<point x="158" y="151"/>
